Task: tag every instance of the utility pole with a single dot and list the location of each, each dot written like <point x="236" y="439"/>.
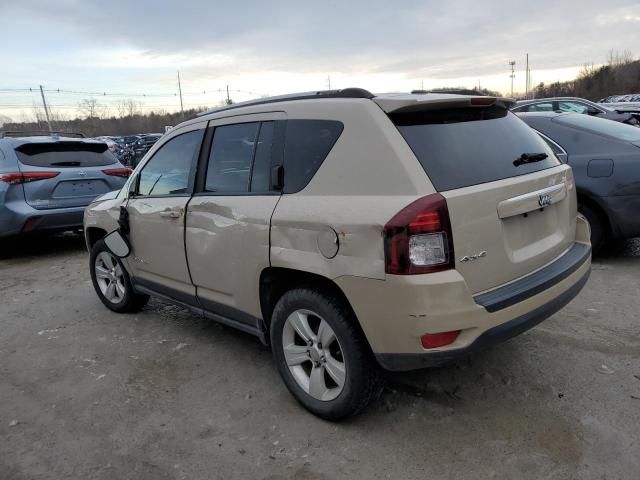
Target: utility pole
<point x="527" y="78"/>
<point x="180" y="91"/>
<point x="228" y="98"/>
<point x="46" y="110"/>
<point x="512" y="63"/>
<point x="329" y="82"/>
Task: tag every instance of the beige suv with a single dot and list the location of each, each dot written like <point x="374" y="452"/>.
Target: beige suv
<point x="350" y="232"/>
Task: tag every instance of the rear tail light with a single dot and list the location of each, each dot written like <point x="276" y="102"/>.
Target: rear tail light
<point x="118" y="172"/>
<point x="15" y="178"/>
<point x="435" y="340"/>
<point x="418" y="239"/>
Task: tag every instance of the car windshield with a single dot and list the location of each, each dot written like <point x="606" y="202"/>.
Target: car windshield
<point x="617" y="130"/>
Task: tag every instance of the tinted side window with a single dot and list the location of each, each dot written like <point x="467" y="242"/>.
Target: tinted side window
<point x="167" y="172"/>
<point x="230" y="159"/>
<point x="307" y="144"/>
<point x="541" y="107"/>
<point x="575" y="107"/>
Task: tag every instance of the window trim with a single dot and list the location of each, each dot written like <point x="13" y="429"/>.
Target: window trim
<point x="192" y="168"/>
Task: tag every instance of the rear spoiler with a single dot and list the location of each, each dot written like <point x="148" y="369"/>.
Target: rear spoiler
<point x="415" y="103"/>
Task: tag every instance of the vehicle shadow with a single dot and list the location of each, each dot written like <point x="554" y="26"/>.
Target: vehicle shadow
<point x="32" y="246"/>
<point x="619" y="249"/>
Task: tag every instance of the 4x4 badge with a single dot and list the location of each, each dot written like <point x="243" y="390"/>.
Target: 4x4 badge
<point x="469" y="258"/>
<point x="544" y="200"/>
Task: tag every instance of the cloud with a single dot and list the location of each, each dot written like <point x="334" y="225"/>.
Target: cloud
<point x="287" y="45"/>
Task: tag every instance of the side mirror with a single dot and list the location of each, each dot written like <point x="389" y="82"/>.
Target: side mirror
<point x="593" y="111"/>
<point x="117" y="244"/>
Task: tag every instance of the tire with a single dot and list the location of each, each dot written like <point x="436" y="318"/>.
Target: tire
<point x="125" y="299"/>
<point x="599" y="231"/>
<point x="345" y="356"/>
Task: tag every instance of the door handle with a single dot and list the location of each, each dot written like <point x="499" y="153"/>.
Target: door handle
<point x="171" y="213"/>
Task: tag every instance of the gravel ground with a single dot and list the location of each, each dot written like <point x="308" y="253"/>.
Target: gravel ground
<point x="89" y="394"/>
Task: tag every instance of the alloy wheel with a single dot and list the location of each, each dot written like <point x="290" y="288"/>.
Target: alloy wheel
<point x="313" y="355"/>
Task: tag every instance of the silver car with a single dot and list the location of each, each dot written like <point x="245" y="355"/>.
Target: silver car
<point x="47" y="181"/>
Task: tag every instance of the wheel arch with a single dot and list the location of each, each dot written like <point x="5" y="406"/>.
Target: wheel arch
<point x="92" y="235"/>
<point x="276" y="281"/>
<point x="591" y="201"/>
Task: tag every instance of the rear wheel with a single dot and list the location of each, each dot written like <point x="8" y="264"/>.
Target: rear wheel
<point x="111" y="281"/>
<point x="597" y="223"/>
<point x="322" y="356"/>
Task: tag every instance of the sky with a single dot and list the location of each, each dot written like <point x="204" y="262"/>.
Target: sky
<point x="133" y="50"/>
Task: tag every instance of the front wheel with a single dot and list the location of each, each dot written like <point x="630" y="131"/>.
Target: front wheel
<point x="322" y="355"/>
<point x="111" y="281"/>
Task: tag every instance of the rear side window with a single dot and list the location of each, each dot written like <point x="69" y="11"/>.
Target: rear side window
<point x="467" y="146"/>
<point x="65" y="154"/>
<point x="307" y="144"/>
<point x="230" y="158"/>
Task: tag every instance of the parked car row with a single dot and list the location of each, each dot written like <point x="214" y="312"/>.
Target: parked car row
<point x="621" y="98"/>
<point x="630" y="116"/>
<point x="129" y="149"/>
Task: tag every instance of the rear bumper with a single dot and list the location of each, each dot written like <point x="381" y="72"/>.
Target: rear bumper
<point x="17" y="218"/>
<point x="394" y="313"/>
<point x="495" y="335"/>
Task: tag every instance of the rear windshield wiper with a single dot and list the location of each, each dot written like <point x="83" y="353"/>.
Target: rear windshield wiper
<point x="529" y="158"/>
<point x="65" y="164"/>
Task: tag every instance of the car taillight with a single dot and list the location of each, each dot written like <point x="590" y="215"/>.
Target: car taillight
<point x="418" y="239"/>
<point x="118" y="172"/>
<point x="15" y="178"/>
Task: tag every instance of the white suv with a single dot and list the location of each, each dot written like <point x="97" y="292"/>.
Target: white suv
<point x="349" y="231"/>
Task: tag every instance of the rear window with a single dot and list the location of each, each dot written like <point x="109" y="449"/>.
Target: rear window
<point x="467" y="146"/>
<point x="65" y="154"/>
<point x="307" y="144"/>
<point x="617" y="130"/>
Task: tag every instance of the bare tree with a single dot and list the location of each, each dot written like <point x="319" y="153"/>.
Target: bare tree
<point x="88" y="108"/>
<point x="128" y="108"/>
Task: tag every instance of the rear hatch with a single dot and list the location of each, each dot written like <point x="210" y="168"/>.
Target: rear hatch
<point x="72" y="173"/>
<point x="510" y="213"/>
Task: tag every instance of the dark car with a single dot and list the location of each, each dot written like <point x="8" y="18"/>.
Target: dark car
<point x="47" y="181"/>
<point x="126" y="141"/>
<point x="576" y="105"/>
<point x="143" y="145"/>
<point x="605" y="158"/>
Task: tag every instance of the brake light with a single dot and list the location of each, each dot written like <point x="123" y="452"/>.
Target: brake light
<point x="118" y="172"/>
<point x="418" y="239"/>
<point x="482" y="101"/>
<point x="16" y="178"/>
<point x="435" y="340"/>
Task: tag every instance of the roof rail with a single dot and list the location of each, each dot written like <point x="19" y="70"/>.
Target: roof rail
<point x="40" y="133"/>
<point x="344" y="93"/>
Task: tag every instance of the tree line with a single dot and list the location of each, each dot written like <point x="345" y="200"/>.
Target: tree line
<point x="619" y="76"/>
<point x="94" y="125"/>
